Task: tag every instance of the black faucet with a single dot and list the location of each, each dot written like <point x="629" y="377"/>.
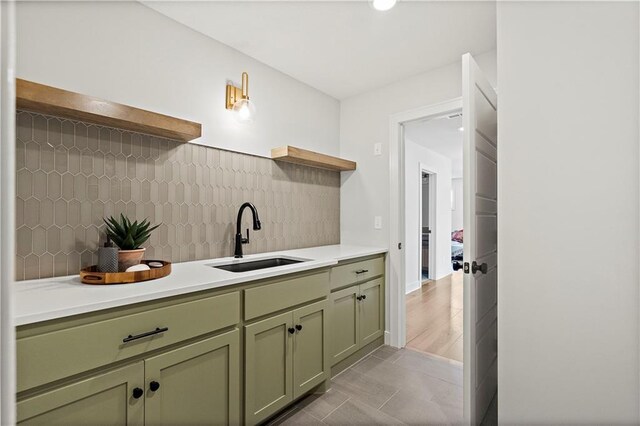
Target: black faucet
<point x="256" y="227"/>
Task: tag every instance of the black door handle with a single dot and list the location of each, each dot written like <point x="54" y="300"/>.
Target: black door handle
<point x="137" y="393"/>
<point x="291" y="330"/>
<point x="299" y="327"/>
<point x="358" y="298"/>
<point x="364" y="296"/>
<point x="457" y="266"/>
<point x="154" y="386"/>
<point x="158" y="330"/>
<point x="482" y="268"/>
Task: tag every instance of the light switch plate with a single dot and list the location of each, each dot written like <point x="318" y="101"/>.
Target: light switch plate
<point x="377" y="149"/>
<point x="377" y="222"/>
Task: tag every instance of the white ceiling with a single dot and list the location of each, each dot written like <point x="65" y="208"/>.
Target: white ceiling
<point x="441" y="135"/>
<point x="343" y="47"/>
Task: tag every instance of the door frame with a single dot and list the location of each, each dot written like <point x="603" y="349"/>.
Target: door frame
<point x="7" y="212"/>
<point x="433" y="221"/>
<point x="397" y="261"/>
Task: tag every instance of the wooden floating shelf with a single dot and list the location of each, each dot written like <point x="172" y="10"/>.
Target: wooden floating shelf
<point x="291" y="154"/>
<point x="49" y="100"/>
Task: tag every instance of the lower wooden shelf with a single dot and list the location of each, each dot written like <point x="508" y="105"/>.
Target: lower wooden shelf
<point x="291" y="154"/>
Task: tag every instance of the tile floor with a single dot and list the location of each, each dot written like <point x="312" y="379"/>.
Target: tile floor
<point x="388" y="387"/>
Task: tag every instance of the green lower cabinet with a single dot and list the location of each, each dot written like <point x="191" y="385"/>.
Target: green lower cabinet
<point x="371" y="311"/>
<point x="345" y="323"/>
<point x="285" y="357"/>
<point x="310" y="347"/>
<point x="357" y="318"/>
<point x="195" y="384"/>
<point x="268" y="367"/>
<point x="107" y="398"/>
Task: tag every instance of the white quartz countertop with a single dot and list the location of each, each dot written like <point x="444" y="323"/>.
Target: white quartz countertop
<point x="51" y="298"/>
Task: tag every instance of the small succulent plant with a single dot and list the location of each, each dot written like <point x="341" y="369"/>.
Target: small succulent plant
<point x="127" y="235"/>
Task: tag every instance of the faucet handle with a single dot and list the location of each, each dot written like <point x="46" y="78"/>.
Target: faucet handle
<point x="246" y="240"/>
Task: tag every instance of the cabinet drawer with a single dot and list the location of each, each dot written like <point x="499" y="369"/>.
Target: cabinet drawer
<point x="355" y="272"/>
<point x="50" y="356"/>
<point x="280" y="295"/>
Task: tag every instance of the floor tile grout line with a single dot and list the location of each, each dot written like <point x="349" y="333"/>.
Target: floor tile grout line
<point x="423" y="372"/>
<point x="460" y="336"/>
<point x="389" y="415"/>
<point x="437" y="358"/>
<point x="389" y="399"/>
<point x="310" y="413"/>
<point x="334" y="410"/>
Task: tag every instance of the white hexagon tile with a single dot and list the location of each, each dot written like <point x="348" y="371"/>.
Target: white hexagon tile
<point x="71" y="174"/>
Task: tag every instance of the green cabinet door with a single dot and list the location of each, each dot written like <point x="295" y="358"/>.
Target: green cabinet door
<point x="371" y="311"/>
<point x="310" y="347"/>
<point x="196" y="384"/>
<point x="268" y="367"/>
<point x="105" y="399"/>
<point x="344" y="329"/>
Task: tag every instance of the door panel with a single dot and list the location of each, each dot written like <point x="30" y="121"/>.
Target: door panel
<point x="486" y="176"/>
<point x="344" y="333"/>
<point x="487" y="351"/>
<point x="480" y="224"/>
<point x="486" y="206"/>
<point x="486" y="237"/>
<point x="310" y="347"/>
<point x="486" y="111"/>
<point x="268" y="367"/>
<point x="199" y="383"/>
<point x="487" y="298"/>
<point x="104" y="399"/>
<point x="371" y="311"/>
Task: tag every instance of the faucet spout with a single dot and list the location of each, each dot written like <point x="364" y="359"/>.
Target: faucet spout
<point x="256" y="227"/>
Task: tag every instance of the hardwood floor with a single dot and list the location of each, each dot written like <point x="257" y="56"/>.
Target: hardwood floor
<point x="434" y="318"/>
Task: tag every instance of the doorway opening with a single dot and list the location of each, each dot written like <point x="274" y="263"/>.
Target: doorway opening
<point x="479" y="105"/>
<point x="434" y="296"/>
<point x="427" y="225"/>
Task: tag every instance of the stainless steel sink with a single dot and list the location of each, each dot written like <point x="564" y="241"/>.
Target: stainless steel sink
<point x="257" y="264"/>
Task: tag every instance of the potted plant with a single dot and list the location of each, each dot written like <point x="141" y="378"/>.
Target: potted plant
<point x="129" y="237"/>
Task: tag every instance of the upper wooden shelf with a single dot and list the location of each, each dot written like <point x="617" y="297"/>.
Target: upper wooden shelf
<point x="49" y="100"/>
<point x="291" y="154"/>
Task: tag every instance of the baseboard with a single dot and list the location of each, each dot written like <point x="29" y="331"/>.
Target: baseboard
<point x="444" y="275"/>
<point x="413" y="287"/>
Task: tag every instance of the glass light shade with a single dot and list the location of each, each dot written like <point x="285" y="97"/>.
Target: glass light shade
<point x="383" y="5"/>
<point x="244" y="110"/>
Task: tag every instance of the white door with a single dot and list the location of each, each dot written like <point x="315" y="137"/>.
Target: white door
<point x="479" y="111"/>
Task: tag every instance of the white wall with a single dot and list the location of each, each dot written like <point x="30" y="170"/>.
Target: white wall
<point x="568" y="212"/>
<point x="128" y="53"/>
<point x="457" y="212"/>
<point x="415" y="157"/>
<point x="364" y="121"/>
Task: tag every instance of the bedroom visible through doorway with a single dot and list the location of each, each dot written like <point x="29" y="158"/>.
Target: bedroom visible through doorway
<point x="433" y="223"/>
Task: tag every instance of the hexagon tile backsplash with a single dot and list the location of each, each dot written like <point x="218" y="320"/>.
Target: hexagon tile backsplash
<point x="71" y="174"/>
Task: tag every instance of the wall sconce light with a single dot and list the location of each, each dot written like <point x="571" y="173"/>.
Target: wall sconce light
<point x="382" y="5"/>
<point x="238" y="101"/>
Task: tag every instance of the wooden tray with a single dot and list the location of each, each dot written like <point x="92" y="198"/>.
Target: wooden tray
<point x="91" y="275"/>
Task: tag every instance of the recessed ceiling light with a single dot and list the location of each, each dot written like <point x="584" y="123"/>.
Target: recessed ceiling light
<point x="383" y="5"/>
<point x="461" y="129"/>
